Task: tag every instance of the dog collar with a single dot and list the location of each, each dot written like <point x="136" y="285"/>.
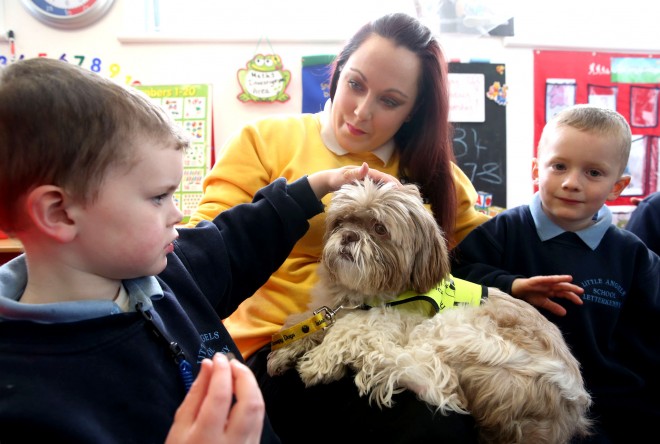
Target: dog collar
<point x="448" y="293"/>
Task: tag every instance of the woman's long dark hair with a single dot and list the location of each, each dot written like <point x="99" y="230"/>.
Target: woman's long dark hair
<point x="425" y="141"/>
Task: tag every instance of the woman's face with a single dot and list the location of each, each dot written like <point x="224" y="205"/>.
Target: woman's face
<point x="375" y="94"/>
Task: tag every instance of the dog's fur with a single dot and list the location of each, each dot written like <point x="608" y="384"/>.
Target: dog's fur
<point x="502" y="362"/>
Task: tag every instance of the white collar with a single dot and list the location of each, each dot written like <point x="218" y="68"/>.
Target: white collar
<point x="547" y="229"/>
<point x="383" y="152"/>
<point x="122" y="300"/>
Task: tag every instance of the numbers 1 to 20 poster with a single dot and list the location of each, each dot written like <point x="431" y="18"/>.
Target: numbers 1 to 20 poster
<point x="190" y="106"/>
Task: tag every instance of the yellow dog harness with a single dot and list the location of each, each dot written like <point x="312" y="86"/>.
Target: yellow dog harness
<point x="449" y="293"/>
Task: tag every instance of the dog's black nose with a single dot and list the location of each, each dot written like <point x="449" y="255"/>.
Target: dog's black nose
<point x="349" y="237"/>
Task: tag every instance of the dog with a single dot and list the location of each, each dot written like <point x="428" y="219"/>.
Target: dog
<point x="496" y="358"/>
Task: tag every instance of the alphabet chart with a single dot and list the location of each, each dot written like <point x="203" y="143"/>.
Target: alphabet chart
<point x="190" y="107"/>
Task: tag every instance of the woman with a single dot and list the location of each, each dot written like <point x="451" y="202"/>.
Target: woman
<point x="388" y="107"/>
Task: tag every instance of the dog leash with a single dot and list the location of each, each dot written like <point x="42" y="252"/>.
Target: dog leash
<point x="449" y="293"/>
<point x="322" y="318"/>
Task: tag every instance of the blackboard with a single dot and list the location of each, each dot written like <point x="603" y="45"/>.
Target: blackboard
<point x="480" y="147"/>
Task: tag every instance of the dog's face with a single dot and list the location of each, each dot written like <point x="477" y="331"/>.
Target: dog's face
<point x="381" y="241"/>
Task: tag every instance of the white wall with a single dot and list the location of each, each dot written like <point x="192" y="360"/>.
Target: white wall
<point x="216" y="62"/>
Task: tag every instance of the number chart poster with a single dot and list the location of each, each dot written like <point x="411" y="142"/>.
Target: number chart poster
<point x="478" y="113"/>
<point x="190" y="107"/>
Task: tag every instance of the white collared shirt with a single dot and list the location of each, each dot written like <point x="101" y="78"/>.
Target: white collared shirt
<point x="383" y="152"/>
<point x="547" y="229"/>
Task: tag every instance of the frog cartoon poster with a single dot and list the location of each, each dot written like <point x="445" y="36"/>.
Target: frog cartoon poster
<point x="264" y="79"/>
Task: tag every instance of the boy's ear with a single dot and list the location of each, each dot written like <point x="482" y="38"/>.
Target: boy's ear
<point x="535" y="171"/>
<point x="618" y="187"/>
<point x="47" y="207"/>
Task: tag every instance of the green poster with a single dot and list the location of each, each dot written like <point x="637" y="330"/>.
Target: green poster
<point x="635" y="70"/>
<point x="190" y="107"/>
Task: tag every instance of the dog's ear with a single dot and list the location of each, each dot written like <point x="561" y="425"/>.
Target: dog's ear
<point x="432" y="257"/>
<point x="431" y="263"/>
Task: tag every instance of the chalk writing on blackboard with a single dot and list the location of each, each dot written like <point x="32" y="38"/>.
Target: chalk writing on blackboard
<point x="467" y="146"/>
<point x="480" y="146"/>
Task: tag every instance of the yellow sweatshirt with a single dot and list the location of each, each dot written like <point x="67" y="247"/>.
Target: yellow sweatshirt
<point x="291" y="147"/>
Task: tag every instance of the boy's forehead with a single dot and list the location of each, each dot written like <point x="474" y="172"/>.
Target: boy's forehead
<point x="148" y="151"/>
<point x="560" y="135"/>
<point x="567" y="142"/>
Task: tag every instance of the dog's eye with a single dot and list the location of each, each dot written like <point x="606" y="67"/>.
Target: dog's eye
<point x="336" y="223"/>
<point x="380" y="229"/>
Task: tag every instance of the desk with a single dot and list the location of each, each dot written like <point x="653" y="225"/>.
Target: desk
<point x="9" y="249"/>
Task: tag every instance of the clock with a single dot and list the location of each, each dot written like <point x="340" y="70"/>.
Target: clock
<point x="68" y="14"/>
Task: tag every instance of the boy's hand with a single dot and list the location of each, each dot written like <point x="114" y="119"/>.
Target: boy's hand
<point x="327" y="181"/>
<point x="539" y="290"/>
<point x="208" y="414"/>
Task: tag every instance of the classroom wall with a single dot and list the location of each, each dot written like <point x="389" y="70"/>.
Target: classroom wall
<point x="153" y="61"/>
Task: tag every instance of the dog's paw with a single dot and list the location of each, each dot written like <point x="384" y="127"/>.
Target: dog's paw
<point x="381" y="394"/>
<point x="316" y="368"/>
<point x="310" y="377"/>
<point x="279" y="361"/>
<point x="386" y="373"/>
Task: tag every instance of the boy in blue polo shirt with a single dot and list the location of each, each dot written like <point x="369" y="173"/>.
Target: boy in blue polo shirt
<point x="598" y="283"/>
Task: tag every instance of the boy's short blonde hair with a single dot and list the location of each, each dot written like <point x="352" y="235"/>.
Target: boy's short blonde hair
<point x="66" y="126"/>
<point x="594" y="120"/>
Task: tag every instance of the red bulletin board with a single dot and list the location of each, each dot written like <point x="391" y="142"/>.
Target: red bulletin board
<point x="629" y="83"/>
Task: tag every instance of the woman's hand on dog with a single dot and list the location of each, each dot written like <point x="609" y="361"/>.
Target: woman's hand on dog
<point x="539" y="291"/>
<point x="327" y="181"/>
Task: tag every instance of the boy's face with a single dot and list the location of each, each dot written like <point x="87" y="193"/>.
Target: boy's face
<point x="128" y="230"/>
<point x="577" y="172"/>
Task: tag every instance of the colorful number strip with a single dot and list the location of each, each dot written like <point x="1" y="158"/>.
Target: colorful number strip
<point x="96" y="65"/>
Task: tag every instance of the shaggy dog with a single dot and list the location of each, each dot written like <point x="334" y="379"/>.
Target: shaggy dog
<point x="500" y="361"/>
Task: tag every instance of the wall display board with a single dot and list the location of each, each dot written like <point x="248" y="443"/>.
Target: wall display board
<point x="190" y="106"/>
<point x="627" y="83"/>
<point x="478" y="113"/>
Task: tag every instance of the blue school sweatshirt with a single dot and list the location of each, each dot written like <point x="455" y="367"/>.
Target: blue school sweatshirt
<point x="615" y="334"/>
<point x="87" y="372"/>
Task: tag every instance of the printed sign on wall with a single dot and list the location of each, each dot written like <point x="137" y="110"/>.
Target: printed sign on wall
<point x="264" y="79"/>
<point x="190" y="107"/>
